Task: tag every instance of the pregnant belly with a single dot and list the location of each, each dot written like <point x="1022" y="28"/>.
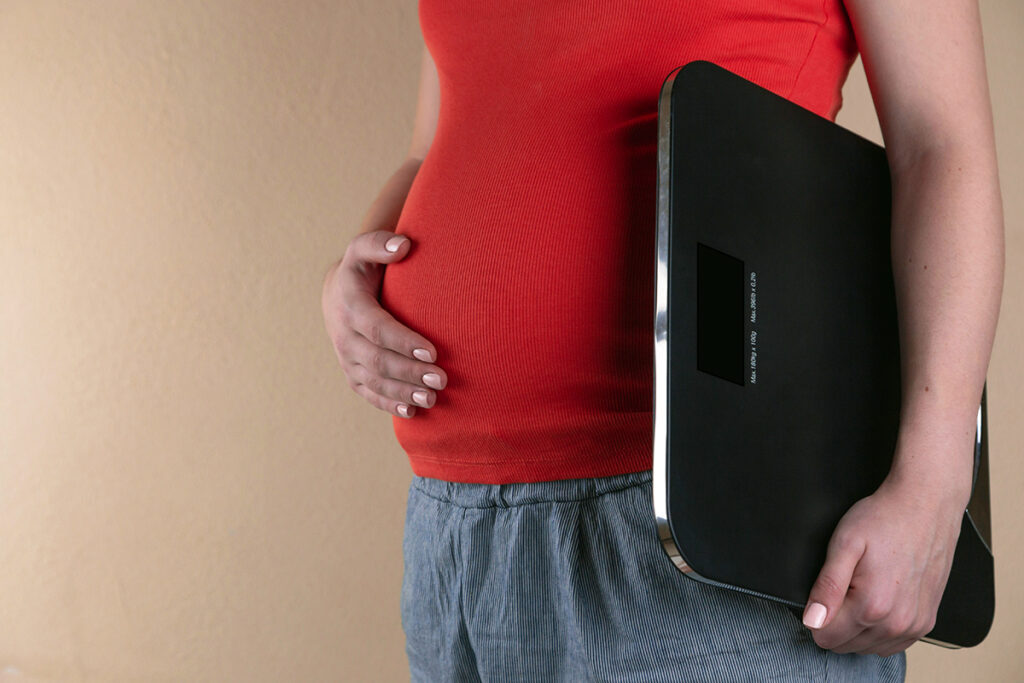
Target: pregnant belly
<point x="538" y="296"/>
<point x="522" y="323"/>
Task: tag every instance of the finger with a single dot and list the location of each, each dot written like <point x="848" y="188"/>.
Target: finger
<point x="882" y="616"/>
<point x="376" y="246"/>
<point x="910" y="620"/>
<point x="870" y="644"/>
<point x="916" y="622"/>
<point x="898" y="647"/>
<point x="388" y="364"/>
<point x="843" y="627"/>
<point x="360" y="268"/>
<point x="926" y="623"/>
<point x="933" y="586"/>
<point x="369" y="319"/>
<point x="883" y="635"/>
<point x="402" y="392"/>
<point x="386" y="404"/>
<point x="829" y="589"/>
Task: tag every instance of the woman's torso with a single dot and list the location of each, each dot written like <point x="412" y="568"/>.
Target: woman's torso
<point x="532" y="217"/>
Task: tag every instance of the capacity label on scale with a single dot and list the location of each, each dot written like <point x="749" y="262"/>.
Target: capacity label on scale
<point x="753" y="327"/>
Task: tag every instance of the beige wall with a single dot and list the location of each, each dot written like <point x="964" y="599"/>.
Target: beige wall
<point x="189" y="491"/>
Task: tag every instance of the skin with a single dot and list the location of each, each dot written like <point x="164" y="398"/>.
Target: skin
<point x="889" y="557"/>
<point x="375" y="350"/>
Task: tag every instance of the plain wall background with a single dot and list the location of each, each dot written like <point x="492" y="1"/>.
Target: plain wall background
<point x="189" y="490"/>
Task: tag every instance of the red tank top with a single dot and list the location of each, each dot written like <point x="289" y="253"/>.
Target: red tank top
<point x="533" y="217"/>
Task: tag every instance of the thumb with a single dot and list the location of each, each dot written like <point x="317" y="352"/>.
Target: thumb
<point x="833" y="580"/>
<point x="375" y="246"/>
<point x="392" y="243"/>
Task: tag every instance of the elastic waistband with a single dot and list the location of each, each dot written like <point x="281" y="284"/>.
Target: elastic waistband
<point x="470" y="495"/>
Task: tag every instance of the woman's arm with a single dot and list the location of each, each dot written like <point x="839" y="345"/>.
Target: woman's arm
<point x="925" y="66"/>
<point x="384" y="361"/>
<point x="889" y="558"/>
<point x="385" y="210"/>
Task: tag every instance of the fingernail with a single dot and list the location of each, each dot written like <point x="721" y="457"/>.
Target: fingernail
<point x="815" y="615"/>
<point x="403" y="409"/>
<point x="432" y="379"/>
<point x="420" y="397"/>
<point x="394" y="243"/>
<point x="422" y="354"/>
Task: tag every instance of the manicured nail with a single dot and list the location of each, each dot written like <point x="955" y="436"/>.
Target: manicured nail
<point x="815" y="616"/>
<point x="432" y="379"/>
<point x="423" y="354"/>
<point x="394" y="243"/>
<point x="420" y="397"/>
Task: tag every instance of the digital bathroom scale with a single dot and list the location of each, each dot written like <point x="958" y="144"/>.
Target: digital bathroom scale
<point x="777" y="373"/>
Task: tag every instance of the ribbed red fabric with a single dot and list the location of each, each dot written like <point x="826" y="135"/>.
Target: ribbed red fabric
<point x="533" y="217"/>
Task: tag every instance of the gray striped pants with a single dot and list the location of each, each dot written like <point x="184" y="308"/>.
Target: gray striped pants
<point x="567" y="581"/>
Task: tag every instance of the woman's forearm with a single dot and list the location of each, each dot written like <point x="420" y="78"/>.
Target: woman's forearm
<point x="948" y="260"/>
<point x="386" y="208"/>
